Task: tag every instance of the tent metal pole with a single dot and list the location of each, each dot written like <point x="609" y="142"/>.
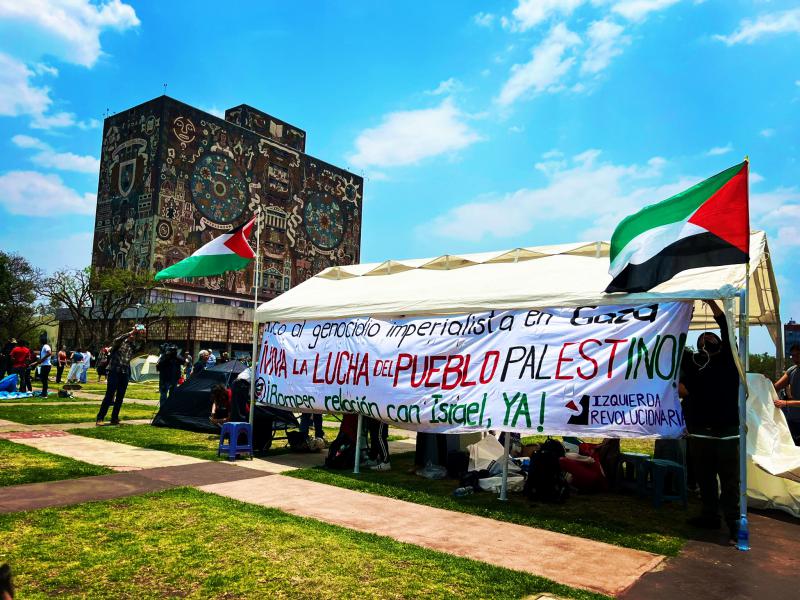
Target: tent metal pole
<point x="254" y="354"/>
<point x="743" y="540"/>
<point x="506" y="447"/>
<point x="357" y="463"/>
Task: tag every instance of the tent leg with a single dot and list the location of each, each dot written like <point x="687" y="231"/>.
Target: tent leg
<point x="743" y="539"/>
<point x="357" y="464"/>
<point x="504" y="485"/>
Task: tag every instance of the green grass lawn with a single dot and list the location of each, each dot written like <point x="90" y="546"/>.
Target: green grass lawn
<point x="140" y="391"/>
<point x="50" y="398"/>
<point x="36" y="415"/>
<point x="614" y="518"/>
<point x="23" y="464"/>
<point x="186" y="543"/>
<point x="177" y="441"/>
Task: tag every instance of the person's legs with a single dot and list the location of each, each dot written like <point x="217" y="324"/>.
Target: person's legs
<point x="379" y="437"/>
<point x="122" y="386"/>
<point x="163" y="389"/>
<point x="26" y="373"/>
<point x="20" y="373"/>
<point x="111" y="390"/>
<point x="728" y="460"/>
<point x="373" y="428"/>
<point x="44" y="373"/>
<point x="318" y="431"/>
<point x="305" y="424"/>
<point x="703" y="453"/>
<point x="59" y="372"/>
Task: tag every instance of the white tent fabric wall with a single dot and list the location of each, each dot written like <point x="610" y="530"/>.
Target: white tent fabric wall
<point x="773" y="468"/>
<point x="523" y="278"/>
<point x="143" y="368"/>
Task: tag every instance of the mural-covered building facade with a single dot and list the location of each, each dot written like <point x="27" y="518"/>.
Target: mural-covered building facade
<point x="173" y="177"/>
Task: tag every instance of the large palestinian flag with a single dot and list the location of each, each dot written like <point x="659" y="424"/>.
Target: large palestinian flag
<point x="228" y="252"/>
<point x="707" y="225"/>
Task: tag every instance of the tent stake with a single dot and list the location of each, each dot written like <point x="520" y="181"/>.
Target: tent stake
<point x="743" y="540"/>
<point x="357" y="464"/>
<point x="504" y="485"/>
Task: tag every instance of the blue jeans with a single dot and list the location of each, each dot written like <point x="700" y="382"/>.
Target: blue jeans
<point x="116" y="384"/>
<point x="305" y="424"/>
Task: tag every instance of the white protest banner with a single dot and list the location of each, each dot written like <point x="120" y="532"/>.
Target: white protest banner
<point x="609" y="371"/>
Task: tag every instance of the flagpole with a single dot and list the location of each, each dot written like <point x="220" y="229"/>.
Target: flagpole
<point x="256" y="284"/>
<point x="743" y="539"/>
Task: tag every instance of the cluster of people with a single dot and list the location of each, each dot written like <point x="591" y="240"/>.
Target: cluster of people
<point x="17" y="358"/>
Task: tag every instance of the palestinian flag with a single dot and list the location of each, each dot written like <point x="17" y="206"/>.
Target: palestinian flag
<point x="228" y="252"/>
<point x="707" y="225"/>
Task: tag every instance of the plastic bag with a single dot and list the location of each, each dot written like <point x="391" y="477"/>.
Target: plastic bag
<point x="484" y="452"/>
<point x="493" y="484"/>
<point x="432" y="471"/>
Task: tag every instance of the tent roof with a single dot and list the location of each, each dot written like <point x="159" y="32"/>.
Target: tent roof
<point x="522" y="278"/>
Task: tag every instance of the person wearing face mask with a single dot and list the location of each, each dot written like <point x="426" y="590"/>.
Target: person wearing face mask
<point x="712" y="381"/>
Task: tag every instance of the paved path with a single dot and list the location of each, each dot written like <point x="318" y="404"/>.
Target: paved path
<point x="573" y="561"/>
<point x="715" y="571"/>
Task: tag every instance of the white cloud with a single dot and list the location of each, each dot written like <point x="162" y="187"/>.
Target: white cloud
<point x="606" y="40"/>
<point x="598" y="193"/>
<point x="448" y="86"/>
<point x="407" y="137"/>
<point x="35" y="194"/>
<point x="545" y="69"/>
<point x="530" y="13"/>
<point x="69" y="29"/>
<point x="638" y="10"/>
<point x="765" y="25"/>
<point x="756" y="177"/>
<point x="71" y="252"/>
<point x="719" y="150"/>
<point x="18" y="95"/>
<point x="767" y="133"/>
<point x="214" y="110"/>
<point x="516" y="129"/>
<point x="483" y="19"/>
<point x="63" y="161"/>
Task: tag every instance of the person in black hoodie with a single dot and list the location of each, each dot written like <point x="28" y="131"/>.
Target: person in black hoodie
<point x="712" y="381"/>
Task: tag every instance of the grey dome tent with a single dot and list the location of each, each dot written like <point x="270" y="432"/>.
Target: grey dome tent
<point x="190" y="404"/>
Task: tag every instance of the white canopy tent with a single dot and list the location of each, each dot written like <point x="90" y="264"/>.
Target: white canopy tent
<point x="523" y="278"/>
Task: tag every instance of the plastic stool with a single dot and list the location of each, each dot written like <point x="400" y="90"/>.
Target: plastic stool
<point x="232" y="430"/>
<point x="662" y="472"/>
<point x="632" y="472"/>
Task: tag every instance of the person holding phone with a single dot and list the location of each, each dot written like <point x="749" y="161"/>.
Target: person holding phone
<point x="119" y="372"/>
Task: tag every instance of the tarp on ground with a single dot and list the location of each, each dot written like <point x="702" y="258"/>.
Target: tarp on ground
<point x="773" y="468"/>
<point x="190" y="405"/>
<point x="143" y="368"/>
<point x="563" y="275"/>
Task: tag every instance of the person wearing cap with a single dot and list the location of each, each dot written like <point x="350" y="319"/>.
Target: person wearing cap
<point x="119" y="372"/>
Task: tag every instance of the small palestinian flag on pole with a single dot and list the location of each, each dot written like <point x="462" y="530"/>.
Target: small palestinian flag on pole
<point x="228" y="252"/>
<point x="707" y="225"/>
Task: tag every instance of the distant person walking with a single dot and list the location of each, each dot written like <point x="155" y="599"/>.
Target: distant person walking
<point x="119" y="372"/>
<point x="45" y="355"/>
<point x="87" y="362"/>
<point x="169" y="371"/>
<point x="61" y="362"/>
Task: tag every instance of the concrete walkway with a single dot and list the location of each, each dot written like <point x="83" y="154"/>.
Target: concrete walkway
<point x="573" y="561"/>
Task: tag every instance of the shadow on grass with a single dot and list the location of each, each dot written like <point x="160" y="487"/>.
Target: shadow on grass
<point x="614" y="518"/>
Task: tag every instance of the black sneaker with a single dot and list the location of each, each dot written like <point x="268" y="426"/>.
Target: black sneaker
<point x="114" y="422"/>
<point x="702" y="522"/>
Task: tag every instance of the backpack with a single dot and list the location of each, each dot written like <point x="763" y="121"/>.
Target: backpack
<point x="546" y="482"/>
<point x="342" y="453"/>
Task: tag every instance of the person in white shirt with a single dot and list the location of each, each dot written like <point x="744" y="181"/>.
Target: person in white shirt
<point x="44" y="366"/>
<point x="87" y="362"/>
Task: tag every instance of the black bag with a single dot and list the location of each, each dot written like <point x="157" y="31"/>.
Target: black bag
<point x="546" y="482"/>
<point x="457" y="463"/>
<point x="341" y="454"/>
<point x="298" y="442"/>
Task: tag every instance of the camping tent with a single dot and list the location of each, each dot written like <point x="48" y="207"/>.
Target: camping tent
<point x="143" y="368"/>
<point x="190" y="404"/>
<point x="523" y="278"/>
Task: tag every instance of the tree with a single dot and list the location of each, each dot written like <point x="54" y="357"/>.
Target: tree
<point x="764" y="364"/>
<point x="20" y="315"/>
<point x="97" y="300"/>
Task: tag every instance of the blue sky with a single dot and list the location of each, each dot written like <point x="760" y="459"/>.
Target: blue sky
<point x="477" y="125"/>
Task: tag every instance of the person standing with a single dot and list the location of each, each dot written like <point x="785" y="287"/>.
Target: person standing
<point x="169" y="371"/>
<point x="19" y="356"/>
<point x="119" y="372"/>
<point x="45" y="355"/>
<point x="378" y="445"/>
<point x="188" y="361"/>
<point x="212" y="360"/>
<point x="202" y="362"/>
<point x="87" y="362"/>
<point x="61" y="362"/>
<point x="790" y="381"/>
<point x="713" y="384"/>
<point x="305" y="425"/>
